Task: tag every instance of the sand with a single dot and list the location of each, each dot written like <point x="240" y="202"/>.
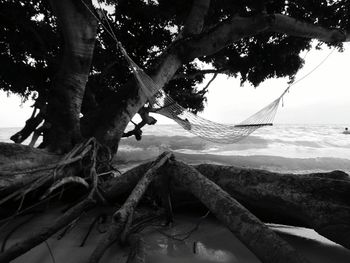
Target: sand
<point x="212" y="242"/>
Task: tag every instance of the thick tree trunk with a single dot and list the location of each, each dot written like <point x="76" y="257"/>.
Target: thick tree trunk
<point x="117" y="111"/>
<point x="78" y="28"/>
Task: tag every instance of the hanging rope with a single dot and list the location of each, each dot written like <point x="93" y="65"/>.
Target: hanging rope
<point x="206" y="129"/>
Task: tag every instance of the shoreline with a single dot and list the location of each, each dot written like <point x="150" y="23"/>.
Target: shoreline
<point x="130" y="158"/>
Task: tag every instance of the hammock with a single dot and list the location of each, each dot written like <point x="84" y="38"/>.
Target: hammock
<point x="206" y="129"/>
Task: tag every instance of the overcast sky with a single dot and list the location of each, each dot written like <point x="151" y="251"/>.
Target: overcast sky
<point x="321" y="98"/>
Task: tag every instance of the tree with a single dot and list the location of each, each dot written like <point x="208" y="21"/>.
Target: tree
<point x="229" y="37"/>
<point x="74" y="67"/>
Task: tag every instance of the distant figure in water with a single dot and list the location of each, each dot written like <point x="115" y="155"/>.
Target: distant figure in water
<point x="346" y="131"/>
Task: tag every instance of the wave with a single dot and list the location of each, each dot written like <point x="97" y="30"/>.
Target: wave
<point x="283" y="148"/>
<point x="195" y="151"/>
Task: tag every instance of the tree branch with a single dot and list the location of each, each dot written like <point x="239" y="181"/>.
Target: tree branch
<point x="146" y="119"/>
<point x="236" y="28"/>
<point x="195" y="20"/>
<point x="205" y="89"/>
<point x="293" y="27"/>
<point x="199" y="73"/>
<point x="31" y="124"/>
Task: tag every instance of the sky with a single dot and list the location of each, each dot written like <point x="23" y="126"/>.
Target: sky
<point x="321" y="98"/>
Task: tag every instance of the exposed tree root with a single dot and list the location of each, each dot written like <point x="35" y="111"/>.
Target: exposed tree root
<point x="3" y="246"/>
<point x="320" y="201"/>
<point x="226" y="191"/>
<point x="42" y="235"/>
<point x="122" y="219"/>
<point x="93" y="223"/>
<point x="35" y="239"/>
<point x="185" y="235"/>
<point x="261" y="240"/>
<point x="137" y="252"/>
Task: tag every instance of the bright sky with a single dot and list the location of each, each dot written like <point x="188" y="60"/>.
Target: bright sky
<point x="321" y="98"/>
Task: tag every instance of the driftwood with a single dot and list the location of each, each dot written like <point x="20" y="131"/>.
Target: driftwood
<point x="238" y="197"/>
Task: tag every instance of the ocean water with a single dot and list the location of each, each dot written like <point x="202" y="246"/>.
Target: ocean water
<point x="282" y="148"/>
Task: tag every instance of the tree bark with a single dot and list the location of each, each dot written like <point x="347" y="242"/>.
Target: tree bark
<point x="316" y="201"/>
<point x="31" y="124"/>
<point x="122" y="218"/>
<point x="319" y="201"/>
<point x="78" y="29"/>
<point x="261" y="240"/>
<point x="118" y="110"/>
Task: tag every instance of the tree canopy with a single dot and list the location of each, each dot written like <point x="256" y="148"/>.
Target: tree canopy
<point x="30" y="44"/>
<point x="252" y="40"/>
<point x="86" y="95"/>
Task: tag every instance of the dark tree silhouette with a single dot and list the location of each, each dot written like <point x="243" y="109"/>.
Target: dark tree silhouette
<point x="85" y="96"/>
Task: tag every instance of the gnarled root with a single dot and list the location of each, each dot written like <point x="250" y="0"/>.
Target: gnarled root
<point x="39" y="237"/>
<point x="122" y="219"/>
<point x="261" y="240"/>
<point x="319" y="201"/>
<point x="137" y="249"/>
<point x="226" y="191"/>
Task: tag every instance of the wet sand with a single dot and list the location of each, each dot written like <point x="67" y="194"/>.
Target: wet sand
<point x="212" y="242"/>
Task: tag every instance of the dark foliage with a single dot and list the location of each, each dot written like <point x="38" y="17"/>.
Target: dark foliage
<point x="30" y="44"/>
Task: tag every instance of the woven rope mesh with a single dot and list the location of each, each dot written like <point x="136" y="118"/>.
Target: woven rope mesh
<point x="208" y="130"/>
<point x="205" y="129"/>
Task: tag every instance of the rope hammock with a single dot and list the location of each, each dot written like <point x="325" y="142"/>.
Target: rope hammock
<point x="206" y="129"/>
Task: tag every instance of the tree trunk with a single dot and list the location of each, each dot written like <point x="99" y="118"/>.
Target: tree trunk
<point x="78" y="29"/>
<point x="117" y="111"/>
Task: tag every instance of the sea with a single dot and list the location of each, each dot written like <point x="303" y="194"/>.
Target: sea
<point x="289" y="148"/>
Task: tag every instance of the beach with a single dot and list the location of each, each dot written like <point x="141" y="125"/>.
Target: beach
<point x="283" y="148"/>
<point x="295" y="148"/>
<point x="211" y="243"/>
